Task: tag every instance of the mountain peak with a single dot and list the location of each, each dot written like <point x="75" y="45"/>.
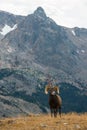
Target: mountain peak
<point x="40" y="12"/>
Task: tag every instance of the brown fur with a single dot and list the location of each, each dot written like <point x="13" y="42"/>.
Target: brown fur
<point x="55" y="100"/>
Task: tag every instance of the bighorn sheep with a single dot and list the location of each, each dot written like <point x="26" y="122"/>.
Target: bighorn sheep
<point x="55" y="101"/>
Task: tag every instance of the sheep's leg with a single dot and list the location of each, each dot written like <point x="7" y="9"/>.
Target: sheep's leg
<point x="55" y="112"/>
<point x="51" y="112"/>
<point x="60" y="111"/>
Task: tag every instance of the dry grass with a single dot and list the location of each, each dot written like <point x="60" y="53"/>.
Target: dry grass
<point x="70" y="121"/>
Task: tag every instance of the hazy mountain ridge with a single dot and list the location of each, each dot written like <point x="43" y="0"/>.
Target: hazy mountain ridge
<point x="9" y="19"/>
<point x="38" y="47"/>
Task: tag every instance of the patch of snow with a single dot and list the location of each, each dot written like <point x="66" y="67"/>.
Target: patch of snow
<point x="78" y="51"/>
<point x="14" y="27"/>
<point x="83" y="51"/>
<point x="73" y="32"/>
<point x="10" y="49"/>
<point x="7" y="29"/>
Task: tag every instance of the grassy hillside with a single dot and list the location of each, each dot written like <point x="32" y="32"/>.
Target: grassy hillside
<point x="70" y="121"/>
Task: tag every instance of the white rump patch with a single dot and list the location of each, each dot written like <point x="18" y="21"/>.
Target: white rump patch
<point x="53" y="93"/>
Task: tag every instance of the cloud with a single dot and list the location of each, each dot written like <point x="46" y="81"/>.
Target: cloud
<point x="64" y="12"/>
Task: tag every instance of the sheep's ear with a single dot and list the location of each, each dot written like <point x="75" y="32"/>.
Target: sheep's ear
<point x="56" y="88"/>
<point x="47" y="89"/>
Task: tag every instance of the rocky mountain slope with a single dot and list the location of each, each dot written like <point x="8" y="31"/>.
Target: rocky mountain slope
<point x="36" y="47"/>
<point x="8" y="22"/>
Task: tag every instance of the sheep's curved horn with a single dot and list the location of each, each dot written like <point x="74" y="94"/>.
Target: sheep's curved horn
<point x="56" y="88"/>
<point x="47" y="89"/>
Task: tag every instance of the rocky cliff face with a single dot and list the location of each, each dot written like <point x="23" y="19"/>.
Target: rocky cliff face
<point x="39" y="44"/>
<point x="8" y="21"/>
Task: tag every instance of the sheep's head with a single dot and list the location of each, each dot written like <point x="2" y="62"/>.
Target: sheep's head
<point x="51" y="90"/>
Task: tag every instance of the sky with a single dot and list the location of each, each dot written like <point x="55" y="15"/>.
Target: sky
<point x="68" y="13"/>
